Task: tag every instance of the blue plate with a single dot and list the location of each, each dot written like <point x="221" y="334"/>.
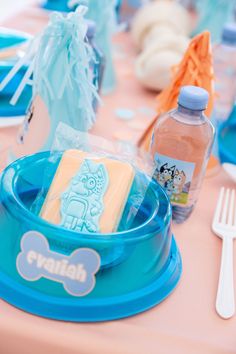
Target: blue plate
<point x="10" y="38"/>
<point x="9" y="114"/>
<point x="8" y="111"/>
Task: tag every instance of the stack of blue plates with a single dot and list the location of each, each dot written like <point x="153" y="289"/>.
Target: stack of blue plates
<point x="12" y="115"/>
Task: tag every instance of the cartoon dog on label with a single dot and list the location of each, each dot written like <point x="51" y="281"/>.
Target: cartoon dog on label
<point x="178" y="183"/>
<point x="165" y="174"/>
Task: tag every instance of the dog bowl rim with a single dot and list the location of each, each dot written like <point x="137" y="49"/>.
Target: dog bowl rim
<point x="140" y="232"/>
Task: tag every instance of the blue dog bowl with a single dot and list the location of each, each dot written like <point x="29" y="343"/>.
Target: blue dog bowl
<point x="226" y="141"/>
<point x="65" y="275"/>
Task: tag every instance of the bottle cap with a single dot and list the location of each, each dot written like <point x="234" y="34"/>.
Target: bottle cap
<point x="91" y="29"/>
<point x="193" y="97"/>
<point x="229" y="34"/>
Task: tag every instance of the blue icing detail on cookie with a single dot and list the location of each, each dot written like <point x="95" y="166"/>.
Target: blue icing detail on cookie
<point x="82" y="202"/>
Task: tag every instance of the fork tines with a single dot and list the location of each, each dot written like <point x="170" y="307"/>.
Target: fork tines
<point x="226" y="208"/>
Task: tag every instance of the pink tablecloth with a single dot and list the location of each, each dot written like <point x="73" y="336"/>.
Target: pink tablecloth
<point x="186" y="322"/>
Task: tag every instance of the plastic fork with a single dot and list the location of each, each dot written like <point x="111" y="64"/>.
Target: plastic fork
<point x="224" y="226"/>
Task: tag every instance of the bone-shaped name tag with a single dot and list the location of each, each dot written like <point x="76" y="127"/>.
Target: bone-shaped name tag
<point x="76" y="272"/>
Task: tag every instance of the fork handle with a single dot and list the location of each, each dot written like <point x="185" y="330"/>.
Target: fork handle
<point x="225" y="295"/>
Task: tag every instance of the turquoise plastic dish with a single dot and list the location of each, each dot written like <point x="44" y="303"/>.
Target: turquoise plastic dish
<point x="8" y="111"/>
<point x="12" y="115"/>
<point x="61" y="274"/>
<point x="11" y="38"/>
<point x="226" y="141"/>
<point x="57" y="5"/>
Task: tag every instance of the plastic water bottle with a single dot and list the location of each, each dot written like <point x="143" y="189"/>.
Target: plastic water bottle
<point x="181" y="146"/>
<point x="225" y="73"/>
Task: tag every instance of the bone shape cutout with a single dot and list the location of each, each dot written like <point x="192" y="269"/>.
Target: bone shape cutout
<point x="76" y="272"/>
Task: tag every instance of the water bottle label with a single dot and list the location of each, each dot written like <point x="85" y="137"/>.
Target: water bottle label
<point x="175" y="176"/>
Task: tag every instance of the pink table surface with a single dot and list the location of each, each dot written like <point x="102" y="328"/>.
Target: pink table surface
<point x="186" y="322"/>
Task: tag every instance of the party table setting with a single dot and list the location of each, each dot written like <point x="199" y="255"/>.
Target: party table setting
<point x="118" y="172"/>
